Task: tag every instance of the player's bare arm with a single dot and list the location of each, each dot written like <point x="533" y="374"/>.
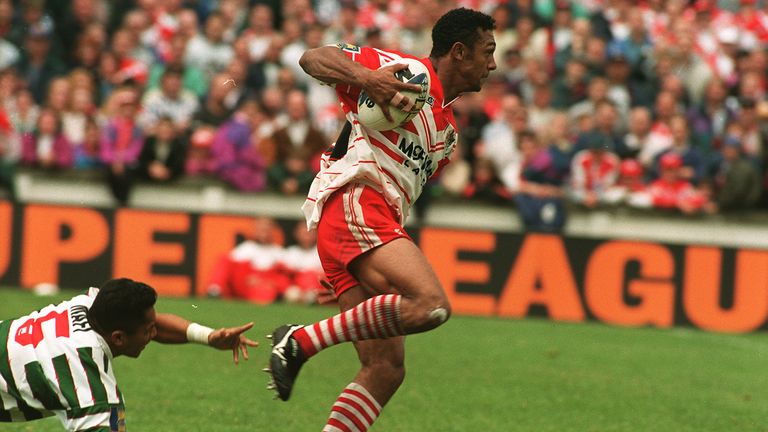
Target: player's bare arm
<point x="330" y="65"/>
<point x="173" y="329"/>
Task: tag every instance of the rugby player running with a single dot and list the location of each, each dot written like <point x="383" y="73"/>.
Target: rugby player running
<point x="359" y="203"/>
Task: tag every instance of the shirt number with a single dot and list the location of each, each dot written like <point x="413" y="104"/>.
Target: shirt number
<point x="31" y="332"/>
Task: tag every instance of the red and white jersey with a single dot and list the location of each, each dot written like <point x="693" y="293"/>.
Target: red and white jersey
<point x="397" y="162"/>
<point x="592" y="173"/>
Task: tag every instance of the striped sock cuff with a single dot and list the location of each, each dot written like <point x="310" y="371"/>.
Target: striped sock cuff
<point x="375" y="318"/>
<point x="354" y="411"/>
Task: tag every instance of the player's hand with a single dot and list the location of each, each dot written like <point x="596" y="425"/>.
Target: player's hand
<point x="384" y="89"/>
<point x="232" y="338"/>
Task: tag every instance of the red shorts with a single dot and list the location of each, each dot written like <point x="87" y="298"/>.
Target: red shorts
<point x="354" y="220"/>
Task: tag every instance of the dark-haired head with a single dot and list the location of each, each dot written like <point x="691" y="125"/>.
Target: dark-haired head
<point x="122" y="313"/>
<point x="459" y="25"/>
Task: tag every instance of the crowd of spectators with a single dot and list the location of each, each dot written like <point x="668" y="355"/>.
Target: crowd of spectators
<point x="595" y="103"/>
<point x="262" y="269"/>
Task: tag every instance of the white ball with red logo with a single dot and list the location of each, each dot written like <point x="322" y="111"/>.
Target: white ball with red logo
<point x="370" y="114"/>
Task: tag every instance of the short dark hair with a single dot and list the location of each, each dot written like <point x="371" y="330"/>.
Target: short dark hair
<point x="121" y="304"/>
<point x="173" y="70"/>
<point x="458" y="25"/>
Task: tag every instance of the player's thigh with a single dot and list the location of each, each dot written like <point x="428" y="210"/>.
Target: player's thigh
<point x="397" y="266"/>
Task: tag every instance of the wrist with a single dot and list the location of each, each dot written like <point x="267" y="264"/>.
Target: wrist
<point x="361" y="77"/>
<point x="199" y="334"/>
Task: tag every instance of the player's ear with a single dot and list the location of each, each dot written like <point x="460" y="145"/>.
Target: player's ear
<point x="459" y="51"/>
<point x="118" y="338"/>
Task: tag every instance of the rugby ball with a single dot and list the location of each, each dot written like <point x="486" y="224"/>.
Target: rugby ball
<point x="370" y="114"/>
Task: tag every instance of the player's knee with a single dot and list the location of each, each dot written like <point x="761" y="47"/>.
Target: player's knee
<point x="436" y="311"/>
<point x="440" y="314"/>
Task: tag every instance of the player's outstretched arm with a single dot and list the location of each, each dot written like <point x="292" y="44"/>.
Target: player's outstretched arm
<point x="175" y="329"/>
<point x="330" y="65"/>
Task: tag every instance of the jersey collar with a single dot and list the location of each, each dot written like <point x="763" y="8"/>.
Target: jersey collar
<point x="437" y="86"/>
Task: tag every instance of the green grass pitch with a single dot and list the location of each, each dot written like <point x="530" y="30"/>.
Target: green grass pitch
<point x="472" y="374"/>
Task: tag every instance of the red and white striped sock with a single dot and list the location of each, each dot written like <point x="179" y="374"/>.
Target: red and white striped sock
<point x="376" y="318"/>
<point x="354" y="411"/>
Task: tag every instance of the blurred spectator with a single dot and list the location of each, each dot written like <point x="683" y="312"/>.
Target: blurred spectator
<point x="484" y="184"/>
<point x="9" y="54"/>
<point x="471" y="119"/>
<point x="557" y="136"/>
<point x="753" y="137"/>
<point x="253" y="270"/>
<point x="46" y="147"/>
<point x="576" y="46"/>
<point x="163" y="155"/>
<point x="215" y="110"/>
<point x="301" y="264"/>
<point x="384" y="15"/>
<point x="541" y="112"/>
<point x="73" y="24"/>
<point x="130" y="66"/>
<point x="536" y="76"/>
<point x="296" y="148"/>
<point x="235" y="150"/>
<point x="736" y="182"/>
<point x="23" y="112"/>
<point x="671" y="191"/>
<point x="260" y="31"/>
<point x="597" y="91"/>
<point x="694" y="164"/>
<point x="169" y="100"/>
<point x="594" y="171"/>
<point x="414" y="36"/>
<point x="272" y="103"/>
<point x="455" y="176"/>
<point x="690" y="67"/>
<point x="208" y="51"/>
<point x="10" y="84"/>
<point x="37" y="66"/>
<point x="512" y="71"/>
<point x="660" y="138"/>
<point x="639" y="131"/>
<point x="708" y="118"/>
<point x="617" y="73"/>
<point x="74" y="118"/>
<point x="571" y="87"/>
<point x="108" y="77"/>
<point x="630" y="185"/>
<point x="636" y="45"/>
<point x="86" y="154"/>
<point x="192" y="79"/>
<point x="522" y="38"/>
<point x="199" y="158"/>
<point x="539" y="196"/>
<point x="234" y="14"/>
<point x="9" y="31"/>
<point x="295" y="45"/>
<point x="10" y="151"/>
<point x="344" y="28"/>
<point x="605" y="124"/>
<point x="121" y="142"/>
<point x="499" y="142"/>
<point x="58" y="94"/>
<point x="187" y="24"/>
